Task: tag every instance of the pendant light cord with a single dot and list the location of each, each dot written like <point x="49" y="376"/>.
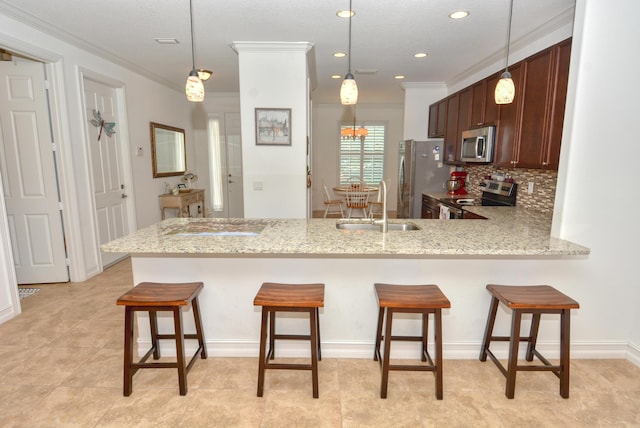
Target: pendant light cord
<point x="350" y="15"/>
<point x="193" y="50"/>
<point x="506" y="65"/>
<point x="354" y="122"/>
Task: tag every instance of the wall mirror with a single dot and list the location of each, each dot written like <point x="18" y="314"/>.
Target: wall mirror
<point x="168" y="153"/>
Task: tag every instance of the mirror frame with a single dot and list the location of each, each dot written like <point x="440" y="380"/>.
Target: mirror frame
<point x="178" y="138"/>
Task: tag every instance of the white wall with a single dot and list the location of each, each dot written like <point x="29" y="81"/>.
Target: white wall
<point x="274" y="75"/>
<point x="154" y="103"/>
<point x="602" y="110"/>
<point x="327" y="119"/>
<point x="417" y="99"/>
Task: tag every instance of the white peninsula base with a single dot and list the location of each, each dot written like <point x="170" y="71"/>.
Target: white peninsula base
<point x="348" y="320"/>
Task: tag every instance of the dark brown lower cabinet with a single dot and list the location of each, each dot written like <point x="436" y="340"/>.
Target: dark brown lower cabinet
<point x="430" y="207"/>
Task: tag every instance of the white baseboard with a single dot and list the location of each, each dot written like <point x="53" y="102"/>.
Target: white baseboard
<point x="401" y="350"/>
<point x="633" y="354"/>
<point x="8" y="312"/>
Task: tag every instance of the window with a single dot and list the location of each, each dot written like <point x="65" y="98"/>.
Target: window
<point x="363" y="157"/>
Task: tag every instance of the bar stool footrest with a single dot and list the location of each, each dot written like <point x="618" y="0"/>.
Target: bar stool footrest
<point x="288" y="366"/>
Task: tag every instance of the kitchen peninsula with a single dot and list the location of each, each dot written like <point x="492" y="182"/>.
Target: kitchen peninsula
<point x="234" y="256"/>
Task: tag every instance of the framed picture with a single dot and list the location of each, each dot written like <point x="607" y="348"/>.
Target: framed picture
<point x="273" y="126"/>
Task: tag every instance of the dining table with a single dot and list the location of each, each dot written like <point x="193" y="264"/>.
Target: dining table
<point x="342" y="189"/>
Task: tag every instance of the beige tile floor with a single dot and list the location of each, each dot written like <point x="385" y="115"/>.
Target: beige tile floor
<point x="61" y="366"/>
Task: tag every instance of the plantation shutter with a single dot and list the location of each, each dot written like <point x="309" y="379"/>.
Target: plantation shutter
<point x="363" y="158"/>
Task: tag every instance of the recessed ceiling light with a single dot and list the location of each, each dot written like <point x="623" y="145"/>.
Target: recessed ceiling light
<point x="336" y="76"/>
<point x="167" y="41"/>
<point x="399" y="77"/>
<point x="339" y="54"/>
<point x="458" y="14"/>
<point x="345" y="13"/>
<point x="420" y="55"/>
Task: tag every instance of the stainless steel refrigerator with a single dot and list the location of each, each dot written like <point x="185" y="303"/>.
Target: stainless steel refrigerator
<point x="420" y="169"/>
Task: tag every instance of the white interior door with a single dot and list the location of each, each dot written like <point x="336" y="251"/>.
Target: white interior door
<point x="233" y="158"/>
<point x="110" y="194"/>
<point x="27" y="164"/>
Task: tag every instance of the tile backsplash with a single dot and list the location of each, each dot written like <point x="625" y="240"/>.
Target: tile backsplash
<point x="544" y="185"/>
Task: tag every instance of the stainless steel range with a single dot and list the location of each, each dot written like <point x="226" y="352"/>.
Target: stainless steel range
<point x="499" y="193"/>
<point x="494" y="193"/>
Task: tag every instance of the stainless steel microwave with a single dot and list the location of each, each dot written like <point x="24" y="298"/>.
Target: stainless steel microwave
<point x="477" y="144"/>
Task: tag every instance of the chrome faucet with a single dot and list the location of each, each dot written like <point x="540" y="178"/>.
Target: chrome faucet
<point x="384" y="221"/>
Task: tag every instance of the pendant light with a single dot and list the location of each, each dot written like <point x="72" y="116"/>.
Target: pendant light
<point x="352" y="132"/>
<point x="349" y="88"/>
<point x="194" y="88"/>
<point x="362" y="133"/>
<point x="505" y="89"/>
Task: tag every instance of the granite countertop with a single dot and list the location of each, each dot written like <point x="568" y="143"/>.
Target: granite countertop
<point x="509" y="231"/>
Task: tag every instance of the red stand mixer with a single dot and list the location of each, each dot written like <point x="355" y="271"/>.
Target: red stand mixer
<point x="456" y="183"/>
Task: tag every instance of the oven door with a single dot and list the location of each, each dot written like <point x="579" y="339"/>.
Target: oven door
<point x="454" y="213"/>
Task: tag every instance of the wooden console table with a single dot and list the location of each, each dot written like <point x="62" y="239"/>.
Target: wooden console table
<point x="182" y="202"/>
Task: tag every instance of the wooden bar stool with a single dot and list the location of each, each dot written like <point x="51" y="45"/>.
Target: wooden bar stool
<point x="273" y="298"/>
<point x="535" y="300"/>
<point x="155" y="297"/>
<point x="422" y="299"/>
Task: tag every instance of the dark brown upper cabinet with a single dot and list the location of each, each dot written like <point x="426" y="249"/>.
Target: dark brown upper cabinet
<point x="529" y="131"/>
<point x="437" y="119"/>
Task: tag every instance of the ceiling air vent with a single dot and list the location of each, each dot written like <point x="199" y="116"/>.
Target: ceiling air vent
<point x="365" y="71"/>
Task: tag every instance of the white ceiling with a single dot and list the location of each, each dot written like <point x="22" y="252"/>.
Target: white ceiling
<point x="385" y="36"/>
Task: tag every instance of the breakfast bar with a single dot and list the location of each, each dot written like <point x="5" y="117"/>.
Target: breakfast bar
<point x="233" y="257"/>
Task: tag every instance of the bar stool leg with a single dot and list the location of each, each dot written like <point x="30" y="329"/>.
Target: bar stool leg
<point x="272" y="335"/>
<point x="565" y="321"/>
<point x="488" y="332"/>
<point x="128" y="351"/>
<point x="533" y="336"/>
<point x="155" y="343"/>
<point x="376" y="350"/>
<point x="198" y="320"/>
<point x="263" y="345"/>
<point x="438" y="345"/>
<point x="318" y="333"/>
<point x="387" y="352"/>
<point x="425" y="331"/>
<point x="179" y="336"/>
<point x="513" y="353"/>
<point x="313" y="328"/>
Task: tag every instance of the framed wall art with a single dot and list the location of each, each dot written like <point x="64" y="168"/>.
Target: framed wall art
<point x="273" y="126"/>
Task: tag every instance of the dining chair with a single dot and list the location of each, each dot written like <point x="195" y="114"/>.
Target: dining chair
<point x="376" y="207"/>
<point x="332" y="206"/>
<point x="357" y="198"/>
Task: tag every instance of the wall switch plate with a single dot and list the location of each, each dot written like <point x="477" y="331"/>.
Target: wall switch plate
<point x="257" y="185"/>
<point x="530" y="188"/>
<point x="139" y="151"/>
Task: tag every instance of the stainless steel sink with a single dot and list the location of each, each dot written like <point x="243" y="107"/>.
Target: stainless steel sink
<point x="376" y="227"/>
